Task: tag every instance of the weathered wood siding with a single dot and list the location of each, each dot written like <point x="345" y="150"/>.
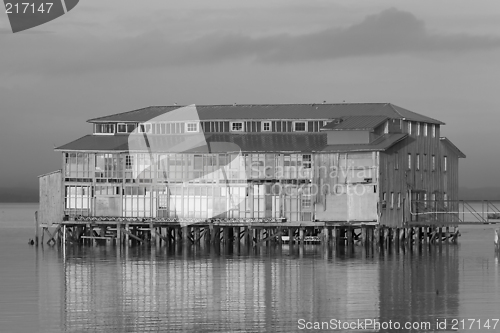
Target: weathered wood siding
<point x="51" y="198"/>
<point x="450" y="180"/>
<point x="397" y="177"/>
<point x="345" y="187"/>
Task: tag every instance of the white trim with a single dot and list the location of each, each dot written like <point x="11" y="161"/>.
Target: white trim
<point x="106" y="133"/>
<point x="231" y="123"/>
<point x="268" y="123"/>
<point x="186" y="129"/>
<point x="301" y="122"/>
<point x="118" y="128"/>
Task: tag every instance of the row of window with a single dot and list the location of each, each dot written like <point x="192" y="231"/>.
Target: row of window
<point x="416" y="128"/>
<point x="418" y="163"/>
<point x="421" y="129"/>
<point x="211" y="127"/>
<point x="398" y="202"/>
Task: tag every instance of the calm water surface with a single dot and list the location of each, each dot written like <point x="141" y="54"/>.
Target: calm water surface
<point x="102" y="289"/>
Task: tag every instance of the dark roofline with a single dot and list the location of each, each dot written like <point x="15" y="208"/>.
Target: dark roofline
<point x="399" y="113"/>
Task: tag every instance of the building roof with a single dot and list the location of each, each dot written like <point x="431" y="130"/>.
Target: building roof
<point x="357" y="123"/>
<point x="273" y="111"/>
<point x="269" y="142"/>
<point x="97" y="143"/>
<point x="380" y="144"/>
<point x="450" y="144"/>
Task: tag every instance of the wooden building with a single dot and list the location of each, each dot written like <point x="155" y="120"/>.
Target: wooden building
<point x="292" y="164"/>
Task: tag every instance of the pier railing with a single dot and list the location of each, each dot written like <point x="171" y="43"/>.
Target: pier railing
<point x="455" y="211"/>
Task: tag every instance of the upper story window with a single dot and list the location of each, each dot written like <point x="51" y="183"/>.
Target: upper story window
<point x="125" y="128"/>
<point x="425" y="129"/>
<point x="433" y="130"/>
<point x="417" y="162"/>
<point x="191" y="127"/>
<point x="418" y="129"/>
<point x="409" y="127"/>
<point x="266" y="126"/>
<point x="396" y="161"/>
<point x="409" y="161"/>
<point x="386" y="127"/>
<point x="145" y="128"/>
<point x="433" y="163"/>
<point x="299" y="126"/>
<point x="237" y="126"/>
<point x="445" y="164"/>
<point x="105" y="128"/>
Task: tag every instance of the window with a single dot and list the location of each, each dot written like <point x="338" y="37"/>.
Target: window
<point x="306" y="201"/>
<point x="445" y="199"/>
<point x="384" y="200"/>
<point x="399" y="200"/>
<point x="396" y="161"/>
<point x="424" y="162"/>
<point x="418" y="129"/>
<point x="191" y="127"/>
<point x="425" y="129"/>
<point x="145" y="128"/>
<point x="417" y="162"/>
<point x="266" y="126"/>
<point x="425" y="199"/>
<point x="129" y="161"/>
<point x="105" y="128"/>
<point x="392" y="200"/>
<point x="409" y="161"/>
<point x="433" y="162"/>
<point x="445" y="164"/>
<point x="386" y="127"/>
<point x="409" y="127"/>
<point x="433" y="130"/>
<point x="131" y="128"/>
<point x="299" y="126"/>
<point x="306" y="161"/>
<point x="237" y="126"/>
<point x="122" y="128"/>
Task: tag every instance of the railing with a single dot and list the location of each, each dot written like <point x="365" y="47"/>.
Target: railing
<point x="455" y="211"/>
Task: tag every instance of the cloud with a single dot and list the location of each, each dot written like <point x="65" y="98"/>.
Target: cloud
<point x="390" y="32"/>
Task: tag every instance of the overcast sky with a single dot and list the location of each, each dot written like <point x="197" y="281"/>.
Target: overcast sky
<point x="440" y="58"/>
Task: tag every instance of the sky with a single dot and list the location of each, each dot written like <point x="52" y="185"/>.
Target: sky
<point x="440" y="58"/>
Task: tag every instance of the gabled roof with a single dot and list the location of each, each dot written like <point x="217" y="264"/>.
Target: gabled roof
<point x="450" y="145"/>
<point x="274" y="111"/>
<point x="356" y="123"/>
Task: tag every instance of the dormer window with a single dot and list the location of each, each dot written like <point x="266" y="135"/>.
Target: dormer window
<point x="299" y="126"/>
<point x="125" y="128"/>
<point x="237" y="126"/>
<point x="266" y="126"/>
<point x="144" y="128"/>
<point x="386" y="127"/>
<point x="105" y="128"/>
<point x="191" y="127"/>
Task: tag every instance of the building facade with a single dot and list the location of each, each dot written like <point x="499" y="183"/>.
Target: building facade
<point x="348" y="163"/>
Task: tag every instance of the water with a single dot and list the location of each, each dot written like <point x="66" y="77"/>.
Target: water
<point x="102" y="289"/>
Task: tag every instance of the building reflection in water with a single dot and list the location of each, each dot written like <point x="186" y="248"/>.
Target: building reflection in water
<point x="212" y="289"/>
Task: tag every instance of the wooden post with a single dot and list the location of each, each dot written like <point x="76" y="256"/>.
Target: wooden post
<point x="64" y="236"/>
<point x="185" y="235"/>
<point x="425" y="236"/>
<point x="37" y="228"/>
<point x="196" y="235"/>
<point x="440" y="235"/>
<point x="326" y="235"/>
<point x="152" y="234"/>
<point x="376" y="235"/>
<point x="127" y="236"/>
<point x="301" y="235"/>
<point x="447" y="234"/>
<point x="418" y="240"/>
